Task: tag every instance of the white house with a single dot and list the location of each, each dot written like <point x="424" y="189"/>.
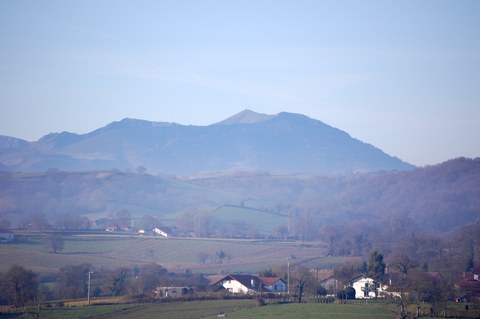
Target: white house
<point x="250" y="284"/>
<point x="6" y="236"/>
<point x="240" y="284"/>
<point x="365" y="287"/>
<point x="160" y="232"/>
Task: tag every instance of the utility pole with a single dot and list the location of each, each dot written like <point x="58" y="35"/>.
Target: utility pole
<point x="288" y="277"/>
<point x="89" y="285"/>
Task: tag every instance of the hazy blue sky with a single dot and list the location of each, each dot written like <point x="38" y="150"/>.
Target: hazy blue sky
<point x="401" y="75"/>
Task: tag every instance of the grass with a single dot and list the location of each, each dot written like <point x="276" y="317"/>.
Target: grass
<point x="319" y="311"/>
<point x="237" y="309"/>
<point x="176" y="254"/>
<point x="71" y="312"/>
<point x="268" y="221"/>
<point x="182" y="310"/>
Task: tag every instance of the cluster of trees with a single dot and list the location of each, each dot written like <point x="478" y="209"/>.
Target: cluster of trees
<point x="26" y="289"/>
<point x="219" y="257"/>
<point x="121" y="219"/>
<point x="20" y="288"/>
<point x="410" y="279"/>
<point x="407" y="281"/>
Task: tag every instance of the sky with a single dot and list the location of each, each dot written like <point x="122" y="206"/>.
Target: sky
<point x="401" y="75"/>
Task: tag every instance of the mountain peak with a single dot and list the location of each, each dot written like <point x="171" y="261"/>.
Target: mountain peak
<point x="285" y="142"/>
<point x="245" y="117"/>
<point x="7" y="142"/>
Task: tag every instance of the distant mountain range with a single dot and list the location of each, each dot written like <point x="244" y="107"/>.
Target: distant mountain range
<point x="286" y="142"/>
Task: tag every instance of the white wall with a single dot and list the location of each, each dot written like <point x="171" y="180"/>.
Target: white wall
<point x="361" y="283"/>
<point x="234" y="286"/>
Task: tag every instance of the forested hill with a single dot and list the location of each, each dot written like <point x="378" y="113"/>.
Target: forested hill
<point x="432" y="199"/>
<point x="286" y="142"/>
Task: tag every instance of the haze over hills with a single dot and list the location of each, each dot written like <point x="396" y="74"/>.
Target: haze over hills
<point x="286" y="142"/>
<point x="388" y="204"/>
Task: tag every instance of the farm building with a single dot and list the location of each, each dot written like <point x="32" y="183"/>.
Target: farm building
<point x="365" y="287"/>
<point x="6" y="236"/>
<point x="467" y="284"/>
<point x="274" y="284"/>
<point x="250" y="284"/>
<point x="172" y="292"/>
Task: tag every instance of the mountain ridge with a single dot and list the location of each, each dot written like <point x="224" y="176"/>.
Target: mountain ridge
<point x="285" y="142"/>
<point x="245" y="117"/>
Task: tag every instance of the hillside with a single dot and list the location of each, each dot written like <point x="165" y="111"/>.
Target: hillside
<point x="286" y="142"/>
<point x="433" y="199"/>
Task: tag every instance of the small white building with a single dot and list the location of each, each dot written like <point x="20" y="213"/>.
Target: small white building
<point x="172" y="292"/>
<point x="6" y="236"/>
<point x="160" y="232"/>
<point x="239" y="284"/>
<point x="250" y="284"/>
<point x="365" y="287"/>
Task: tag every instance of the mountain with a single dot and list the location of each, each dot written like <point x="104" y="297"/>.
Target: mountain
<point x="245" y="117"/>
<point x="286" y="142"/>
<point x="7" y="142"/>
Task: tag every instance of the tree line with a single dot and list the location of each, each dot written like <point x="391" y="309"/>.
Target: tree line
<point x="25" y="288"/>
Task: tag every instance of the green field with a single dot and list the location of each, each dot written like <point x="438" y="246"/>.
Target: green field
<point x="237" y="309"/>
<point x="320" y="311"/>
<point x="268" y="221"/>
<point x="183" y="310"/>
<point x="78" y="312"/>
<point x="176" y="254"/>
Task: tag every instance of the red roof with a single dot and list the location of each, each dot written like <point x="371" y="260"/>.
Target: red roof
<point x="269" y="281"/>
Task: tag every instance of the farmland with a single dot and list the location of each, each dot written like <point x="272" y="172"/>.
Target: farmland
<point x="320" y="311"/>
<point x="176" y="254"/>
<point x="237" y="309"/>
<point x="246" y="309"/>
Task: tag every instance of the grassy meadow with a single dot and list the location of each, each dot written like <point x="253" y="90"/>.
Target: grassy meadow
<point x="237" y="309"/>
<point x="111" y="251"/>
<point x="269" y="221"/>
<point x="319" y="311"/>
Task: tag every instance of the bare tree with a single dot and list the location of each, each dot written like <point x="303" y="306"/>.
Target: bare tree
<point x="70" y="221"/>
<point x="38" y="221"/>
<point x="221" y="255"/>
<point x="147" y="278"/>
<point x="402" y="263"/>
<point x="4" y="224"/>
<point x="117" y="280"/>
<point x="55" y="242"/>
<point x="303" y="280"/>
<point x="20" y="285"/>
<point x="203" y="256"/>
<point x="185" y="222"/>
<point x="401" y="283"/>
<point x="282" y="231"/>
<point x="202" y="224"/>
<point x="72" y="281"/>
